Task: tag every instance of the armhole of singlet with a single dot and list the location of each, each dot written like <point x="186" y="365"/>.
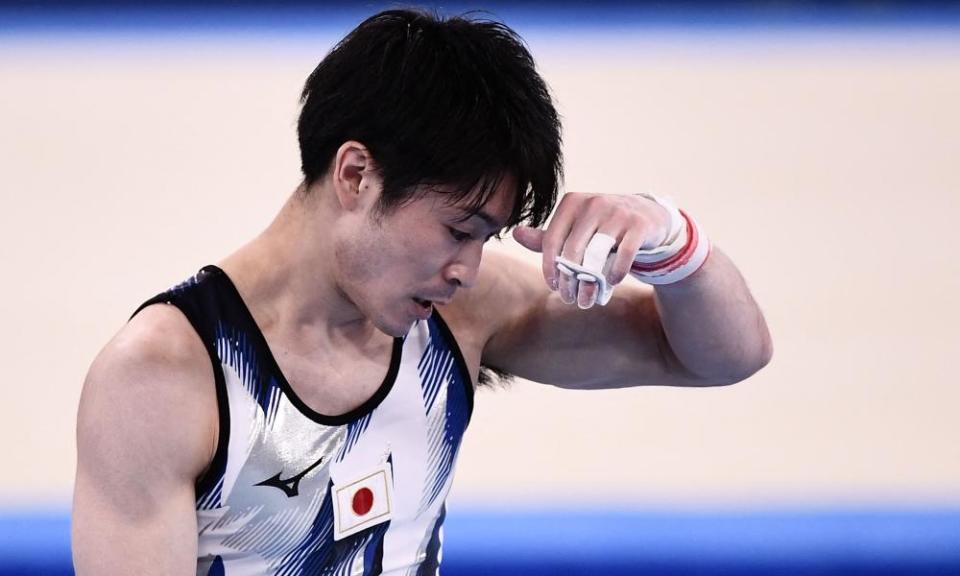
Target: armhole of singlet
<point x="218" y="464"/>
<point x="461" y="363"/>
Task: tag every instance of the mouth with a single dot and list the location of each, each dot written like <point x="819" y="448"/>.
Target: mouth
<point x="425" y="304"/>
<point x="423" y="309"/>
<point x="438" y="301"/>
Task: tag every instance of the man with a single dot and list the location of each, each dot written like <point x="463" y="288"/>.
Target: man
<point x="298" y="408"/>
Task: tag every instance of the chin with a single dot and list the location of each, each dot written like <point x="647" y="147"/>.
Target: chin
<point x="390" y="324"/>
<point x="394" y="327"/>
<point x="394" y="330"/>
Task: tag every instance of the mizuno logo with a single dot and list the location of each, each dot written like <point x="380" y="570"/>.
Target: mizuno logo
<point x="290" y="486"/>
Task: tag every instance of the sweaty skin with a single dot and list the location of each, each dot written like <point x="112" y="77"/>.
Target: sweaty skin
<point x="329" y="283"/>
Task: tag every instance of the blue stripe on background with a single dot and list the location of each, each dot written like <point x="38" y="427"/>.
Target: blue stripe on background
<point x="868" y="536"/>
<point x="746" y="543"/>
<point x="226" y="16"/>
<point x="35" y="543"/>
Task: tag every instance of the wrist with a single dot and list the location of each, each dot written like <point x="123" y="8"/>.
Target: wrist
<point x="683" y="251"/>
<point x="673" y="237"/>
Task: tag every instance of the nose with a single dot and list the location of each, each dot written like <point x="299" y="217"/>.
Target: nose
<point x="462" y="271"/>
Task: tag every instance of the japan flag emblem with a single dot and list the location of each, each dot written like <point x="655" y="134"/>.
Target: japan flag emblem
<point x="363" y="503"/>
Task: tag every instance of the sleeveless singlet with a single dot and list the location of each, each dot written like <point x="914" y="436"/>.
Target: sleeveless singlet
<point x="291" y="491"/>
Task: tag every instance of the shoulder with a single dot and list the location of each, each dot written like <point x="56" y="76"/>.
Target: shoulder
<point x="150" y="395"/>
<point x="157" y="344"/>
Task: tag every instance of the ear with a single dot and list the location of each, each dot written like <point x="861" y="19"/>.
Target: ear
<point x="355" y="179"/>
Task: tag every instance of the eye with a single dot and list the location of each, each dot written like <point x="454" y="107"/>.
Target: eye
<point x="458" y="235"/>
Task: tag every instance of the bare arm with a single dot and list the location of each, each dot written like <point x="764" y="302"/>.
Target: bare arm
<point x="713" y="325"/>
<point x="709" y="337"/>
<point x="146" y="430"/>
<point x="705" y="330"/>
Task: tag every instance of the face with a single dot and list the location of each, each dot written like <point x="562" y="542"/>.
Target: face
<point x="395" y="267"/>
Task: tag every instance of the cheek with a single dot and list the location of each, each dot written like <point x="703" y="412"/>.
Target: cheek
<point x="371" y="267"/>
<point x="389" y="259"/>
<point x="357" y="263"/>
<point x="420" y="256"/>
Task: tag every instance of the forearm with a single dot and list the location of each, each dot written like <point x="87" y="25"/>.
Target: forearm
<point x="713" y="325"/>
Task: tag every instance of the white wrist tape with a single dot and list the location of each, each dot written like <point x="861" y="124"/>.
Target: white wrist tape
<point x="676" y="263"/>
<point x="676" y="235"/>
<point x="681" y="253"/>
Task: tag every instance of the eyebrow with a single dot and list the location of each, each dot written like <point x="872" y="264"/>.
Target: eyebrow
<point x="488" y="219"/>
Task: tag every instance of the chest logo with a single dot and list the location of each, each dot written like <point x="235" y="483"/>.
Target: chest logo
<point x="290" y="486"/>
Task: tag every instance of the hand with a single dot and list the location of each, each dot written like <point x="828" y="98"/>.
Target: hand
<point x="634" y="222"/>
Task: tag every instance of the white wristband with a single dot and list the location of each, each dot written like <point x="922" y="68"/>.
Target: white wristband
<point x="681" y="264"/>
<point x="682" y="252"/>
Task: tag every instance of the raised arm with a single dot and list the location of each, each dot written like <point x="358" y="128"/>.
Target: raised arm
<point x="703" y="330"/>
<point x="146" y="430"/>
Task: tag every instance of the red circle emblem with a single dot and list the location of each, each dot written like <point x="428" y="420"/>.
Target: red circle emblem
<point x="362" y="501"/>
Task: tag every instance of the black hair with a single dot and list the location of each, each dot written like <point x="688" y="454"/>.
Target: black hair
<point x="447" y="105"/>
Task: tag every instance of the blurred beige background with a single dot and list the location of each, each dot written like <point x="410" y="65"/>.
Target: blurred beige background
<point x="826" y="164"/>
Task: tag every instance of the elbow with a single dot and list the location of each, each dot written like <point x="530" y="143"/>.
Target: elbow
<point x="736" y="367"/>
<point x="752" y="357"/>
<point x="758" y="360"/>
<point x="747" y="363"/>
<point x="763" y="354"/>
<point x="766" y="354"/>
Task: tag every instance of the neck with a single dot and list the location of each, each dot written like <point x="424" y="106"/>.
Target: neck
<point x="287" y="274"/>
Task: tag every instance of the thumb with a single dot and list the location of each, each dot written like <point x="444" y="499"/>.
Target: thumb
<point x="529" y="238"/>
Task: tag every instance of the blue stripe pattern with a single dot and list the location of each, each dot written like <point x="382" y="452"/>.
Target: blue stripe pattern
<point x="357" y="546"/>
<point x="354" y="430"/>
<point x="313" y="552"/>
<point x="438" y="369"/>
<point x="435" y="366"/>
<point x="235" y="348"/>
<point x="320" y="554"/>
<point x="183" y="286"/>
<point x="373" y="552"/>
<point x="431" y="564"/>
<point x="211" y="499"/>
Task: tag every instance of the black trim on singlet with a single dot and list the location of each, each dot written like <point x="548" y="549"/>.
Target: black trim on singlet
<point x="203" y="312"/>
<point x="264" y="350"/>
<point x="458" y="356"/>
<point x="214" y="471"/>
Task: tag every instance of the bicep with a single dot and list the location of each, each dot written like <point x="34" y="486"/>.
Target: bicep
<point x="129" y="525"/>
<point x="540" y="338"/>
<point x="141" y="442"/>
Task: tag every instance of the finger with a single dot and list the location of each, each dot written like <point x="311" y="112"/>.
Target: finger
<point x="623" y="258"/>
<point x="552" y="242"/>
<point x="587" y="295"/>
<point x="568" y="285"/>
<point x="529" y="238"/>
<point x="599" y="247"/>
<point x="579" y="236"/>
<point x="594" y="260"/>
